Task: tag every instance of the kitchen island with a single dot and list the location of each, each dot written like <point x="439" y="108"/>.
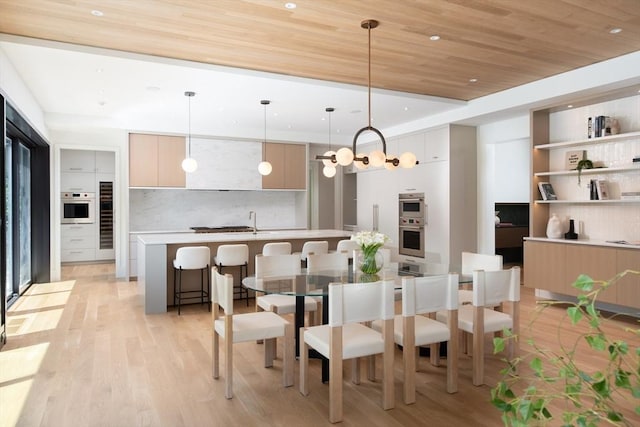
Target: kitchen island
<point x="156" y="253"/>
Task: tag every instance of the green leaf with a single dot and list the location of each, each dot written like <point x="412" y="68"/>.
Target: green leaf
<point x="596" y="342"/>
<point x="591" y="309"/>
<point x="498" y="344"/>
<point x="536" y="365"/>
<point x="635" y="392"/>
<point x="614" y="416"/>
<point x="525" y="410"/>
<point x="622" y="378"/>
<point x="584" y="283"/>
<point x="602" y="388"/>
<point x="575" y="314"/>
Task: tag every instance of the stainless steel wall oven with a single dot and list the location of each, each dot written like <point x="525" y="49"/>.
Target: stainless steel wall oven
<point x="78" y="208"/>
<point x="412" y="215"/>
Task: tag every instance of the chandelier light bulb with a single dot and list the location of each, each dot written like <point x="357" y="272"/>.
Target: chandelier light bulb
<point x="344" y="156"/>
<point x="189" y="165"/>
<point x="359" y="164"/>
<point x="264" y="168"/>
<point x="407" y="160"/>
<point x="376" y="158"/>
<point x="329" y="171"/>
<point x="328" y="162"/>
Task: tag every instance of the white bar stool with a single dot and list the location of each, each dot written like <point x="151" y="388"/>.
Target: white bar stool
<point x="191" y="258"/>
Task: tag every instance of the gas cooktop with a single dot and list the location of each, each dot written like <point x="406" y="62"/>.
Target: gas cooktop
<point x="224" y="229"/>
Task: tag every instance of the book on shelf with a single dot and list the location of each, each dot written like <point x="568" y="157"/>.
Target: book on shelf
<point x="546" y="191"/>
<point x="573" y="157"/>
<point x="603" y="189"/>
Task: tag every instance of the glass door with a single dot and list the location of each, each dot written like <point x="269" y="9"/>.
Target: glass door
<point x="8" y="220"/>
<point x="24" y="215"/>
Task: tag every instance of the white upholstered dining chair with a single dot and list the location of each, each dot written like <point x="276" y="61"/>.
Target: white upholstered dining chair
<point x="345" y="337"/>
<point x="287" y="267"/>
<point x="490" y="288"/>
<point x="235" y="328"/>
<point x="473" y="261"/>
<point x="423" y="296"/>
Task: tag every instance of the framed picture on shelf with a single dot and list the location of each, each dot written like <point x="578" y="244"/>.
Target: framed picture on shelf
<point x="546" y="190"/>
<point x="603" y="189"/>
<point x="573" y="157"/>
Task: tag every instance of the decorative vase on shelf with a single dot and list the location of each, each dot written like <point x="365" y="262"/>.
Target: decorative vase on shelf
<point x="571" y="234"/>
<point x="497" y="218"/>
<point x="554" y="227"/>
<point x="370" y="261"/>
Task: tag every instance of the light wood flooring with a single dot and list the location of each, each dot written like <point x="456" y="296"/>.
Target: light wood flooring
<point x="81" y="352"/>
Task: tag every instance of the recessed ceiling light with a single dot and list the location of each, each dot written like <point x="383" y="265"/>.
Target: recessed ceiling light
<point x="473" y="80"/>
<point x="570" y="106"/>
<point x="288" y="126"/>
<point x="615" y="30"/>
<point x="434" y="37"/>
<point x="290" y="5"/>
<point x="99" y="70"/>
<point x="96" y="12"/>
<point x="406" y="108"/>
<point x="323" y="119"/>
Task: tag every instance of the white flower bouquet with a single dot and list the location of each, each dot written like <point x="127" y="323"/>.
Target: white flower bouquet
<point x="370" y="242"/>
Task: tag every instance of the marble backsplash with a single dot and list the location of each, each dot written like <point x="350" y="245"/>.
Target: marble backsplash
<point x="177" y="209"/>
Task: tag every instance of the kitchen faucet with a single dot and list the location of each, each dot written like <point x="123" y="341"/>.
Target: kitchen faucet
<point x="252" y="213"/>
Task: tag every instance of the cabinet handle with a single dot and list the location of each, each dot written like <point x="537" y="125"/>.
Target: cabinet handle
<point x="77" y="240"/>
<point x="75" y="188"/>
<point x="75" y="252"/>
<point x="75" y="169"/>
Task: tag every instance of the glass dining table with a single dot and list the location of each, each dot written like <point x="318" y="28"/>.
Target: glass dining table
<point x="316" y="284"/>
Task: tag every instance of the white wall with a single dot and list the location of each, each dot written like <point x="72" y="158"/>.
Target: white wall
<point x="19" y="96"/>
<point x="512" y="137"/>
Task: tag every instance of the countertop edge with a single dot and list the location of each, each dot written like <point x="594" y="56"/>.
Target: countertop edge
<point x="602" y="243"/>
<point x="191" y="237"/>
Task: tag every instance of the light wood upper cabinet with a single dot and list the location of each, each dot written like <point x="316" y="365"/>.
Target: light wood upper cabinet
<point x="155" y="161"/>
<point x="289" y="163"/>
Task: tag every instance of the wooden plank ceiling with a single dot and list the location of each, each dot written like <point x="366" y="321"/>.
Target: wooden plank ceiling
<point x="501" y="43"/>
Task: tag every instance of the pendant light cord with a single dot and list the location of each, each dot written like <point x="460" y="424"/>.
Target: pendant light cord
<point x="369" y="82"/>
<point x="189" y="126"/>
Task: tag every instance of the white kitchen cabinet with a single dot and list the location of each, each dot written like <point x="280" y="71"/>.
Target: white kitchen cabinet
<point x="447" y="178"/>
<point x="225" y="165"/>
<point x="78" y="242"/>
<point x="105" y="162"/>
<point x="77" y="161"/>
<point x="78" y="182"/>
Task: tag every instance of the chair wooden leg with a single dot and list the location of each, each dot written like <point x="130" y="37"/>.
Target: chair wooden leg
<point x="288" y="356"/>
<point x="452" y="353"/>
<point x="409" y="360"/>
<point x="228" y="357"/>
<point x="304" y="365"/>
<point x="355" y="370"/>
<point x="371" y="368"/>
<point x="216" y="355"/>
<point x="388" y="397"/>
<point x="478" y="346"/>
<point x="434" y="354"/>
<point x="335" y="376"/>
<point x="269" y="348"/>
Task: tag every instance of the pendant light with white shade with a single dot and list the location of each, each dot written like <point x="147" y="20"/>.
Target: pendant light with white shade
<point x="189" y="164"/>
<point x="264" y="167"/>
<point x="329" y="158"/>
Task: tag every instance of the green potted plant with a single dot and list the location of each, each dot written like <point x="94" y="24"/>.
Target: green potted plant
<point x="529" y="392"/>
<point x="583" y="164"/>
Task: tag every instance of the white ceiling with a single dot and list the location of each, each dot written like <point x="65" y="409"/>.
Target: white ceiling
<point x="80" y="86"/>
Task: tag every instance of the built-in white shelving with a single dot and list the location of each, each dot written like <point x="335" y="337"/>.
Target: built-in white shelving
<point x="588" y="141"/>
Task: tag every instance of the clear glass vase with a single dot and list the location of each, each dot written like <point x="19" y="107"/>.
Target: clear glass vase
<point x="370" y="261"/>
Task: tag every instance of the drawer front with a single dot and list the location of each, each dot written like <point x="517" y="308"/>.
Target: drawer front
<point x="79" y="242"/>
<point x="71" y="255"/>
<point x="76" y="230"/>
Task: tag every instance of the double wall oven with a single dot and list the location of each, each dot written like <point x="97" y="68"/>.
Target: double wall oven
<point x="412" y="218"/>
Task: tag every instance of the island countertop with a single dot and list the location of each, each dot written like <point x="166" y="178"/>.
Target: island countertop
<point x="246" y="236"/>
<point x="156" y="251"/>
